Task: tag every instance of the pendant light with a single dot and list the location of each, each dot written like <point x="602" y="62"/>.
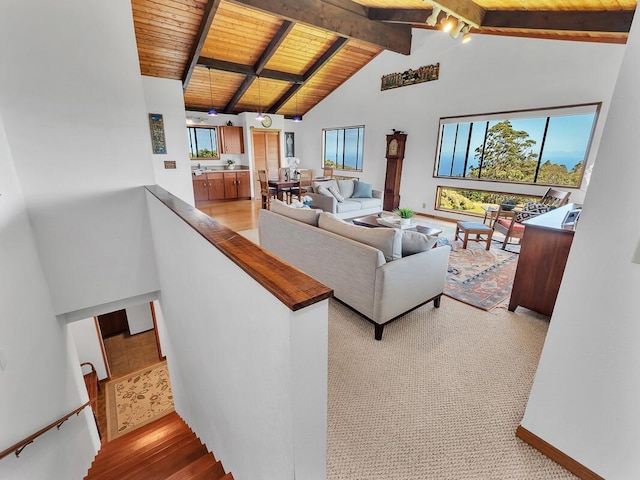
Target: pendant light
<point x="212" y="111"/>
<point x="260" y="116"/>
<point x="296" y="117"/>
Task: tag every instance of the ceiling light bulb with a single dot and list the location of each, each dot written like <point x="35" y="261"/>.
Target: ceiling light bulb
<point x="456" y="31"/>
<point x="259" y="116"/>
<point x="448" y="23"/>
<point x="433" y="18"/>
<point x="213" y="112"/>
<point x="466" y="38"/>
<point x="297" y="118"/>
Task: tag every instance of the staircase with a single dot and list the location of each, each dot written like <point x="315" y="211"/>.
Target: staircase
<point x="165" y="449"/>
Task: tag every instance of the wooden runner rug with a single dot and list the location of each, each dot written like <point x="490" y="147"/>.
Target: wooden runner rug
<point x="137" y="399"/>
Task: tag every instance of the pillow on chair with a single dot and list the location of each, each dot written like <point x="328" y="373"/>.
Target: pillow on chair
<point x="532" y="209"/>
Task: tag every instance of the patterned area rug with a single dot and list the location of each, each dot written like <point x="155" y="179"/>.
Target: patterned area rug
<point x="479" y="277"/>
<point x="137" y="399"/>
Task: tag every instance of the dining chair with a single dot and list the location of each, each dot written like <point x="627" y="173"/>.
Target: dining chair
<point x="306" y="180"/>
<point x="327" y="172"/>
<point x="266" y="191"/>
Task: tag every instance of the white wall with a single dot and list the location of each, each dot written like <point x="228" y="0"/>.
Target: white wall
<point x="488" y="74"/>
<point x="38" y="383"/>
<point x="585" y="399"/>
<point x="166" y="97"/>
<point x="87" y="343"/>
<point x="253" y="374"/>
<point x="139" y="318"/>
<point x="77" y="124"/>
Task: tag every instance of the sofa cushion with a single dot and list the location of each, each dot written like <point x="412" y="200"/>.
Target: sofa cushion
<point x="416" y="242"/>
<point x="336" y="193"/>
<point x="346" y="187"/>
<point x="531" y="209"/>
<point x="348" y="206"/>
<point x="362" y="190"/>
<point x="367" y="202"/>
<point x="323" y="191"/>
<point x="387" y="240"/>
<point x="326" y="184"/>
<point x="305" y="215"/>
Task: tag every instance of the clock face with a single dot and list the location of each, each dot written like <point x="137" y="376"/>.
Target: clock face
<point x="266" y="121"/>
<point x="393" y="147"/>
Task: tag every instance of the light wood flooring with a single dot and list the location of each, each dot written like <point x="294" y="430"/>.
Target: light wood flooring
<point x="238" y="215"/>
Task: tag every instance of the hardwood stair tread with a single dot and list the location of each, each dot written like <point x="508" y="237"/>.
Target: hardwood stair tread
<point x="205" y="467"/>
<point x="166" y="449"/>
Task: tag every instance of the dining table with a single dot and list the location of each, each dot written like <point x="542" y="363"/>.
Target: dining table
<point x="283" y="186"/>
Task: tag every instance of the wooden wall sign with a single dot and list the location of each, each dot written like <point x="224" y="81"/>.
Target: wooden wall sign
<point x="156" y="125"/>
<point x="410" y="77"/>
<point x="170" y="165"/>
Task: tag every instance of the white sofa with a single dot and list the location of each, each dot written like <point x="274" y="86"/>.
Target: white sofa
<point x="349" y="206"/>
<point x="378" y="288"/>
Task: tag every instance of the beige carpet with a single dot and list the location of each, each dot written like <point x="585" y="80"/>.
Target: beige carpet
<point x="137" y="399"/>
<point x="439" y="397"/>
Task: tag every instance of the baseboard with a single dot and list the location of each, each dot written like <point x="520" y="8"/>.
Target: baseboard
<point x="556" y="455"/>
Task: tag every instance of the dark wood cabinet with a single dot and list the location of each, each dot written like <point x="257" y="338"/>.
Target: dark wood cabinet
<point x="208" y="186"/>
<point x="200" y="188"/>
<point x="395" y="155"/>
<point x="543" y="256"/>
<point x="231" y="139"/>
<point x="237" y="185"/>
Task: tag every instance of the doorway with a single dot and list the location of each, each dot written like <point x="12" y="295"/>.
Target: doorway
<point x="266" y="153"/>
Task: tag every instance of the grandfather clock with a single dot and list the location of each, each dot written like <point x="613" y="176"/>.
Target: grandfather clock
<point x="395" y="155"/>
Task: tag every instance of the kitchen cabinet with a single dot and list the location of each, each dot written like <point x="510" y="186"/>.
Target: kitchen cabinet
<point x="208" y="186"/>
<point x="222" y="186"/>
<point x="231" y="139"/>
<point x="236" y="185"/>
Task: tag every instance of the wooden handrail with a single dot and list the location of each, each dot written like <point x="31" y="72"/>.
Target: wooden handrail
<point x="18" y="447"/>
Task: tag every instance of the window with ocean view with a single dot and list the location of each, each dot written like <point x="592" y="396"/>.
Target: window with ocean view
<point x="342" y="148"/>
<point x="546" y="147"/>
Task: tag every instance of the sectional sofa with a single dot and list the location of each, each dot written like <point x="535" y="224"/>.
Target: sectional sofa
<point x="365" y="267"/>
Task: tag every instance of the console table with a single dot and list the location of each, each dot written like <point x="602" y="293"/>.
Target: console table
<point x="543" y="256"/>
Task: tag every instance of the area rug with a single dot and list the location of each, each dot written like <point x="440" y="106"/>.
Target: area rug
<point x="479" y="277"/>
<point x="137" y="399"/>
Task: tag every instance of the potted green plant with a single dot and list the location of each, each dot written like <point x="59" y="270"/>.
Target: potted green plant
<point x="231" y="164"/>
<point x="405" y="214"/>
<point x="509" y="204"/>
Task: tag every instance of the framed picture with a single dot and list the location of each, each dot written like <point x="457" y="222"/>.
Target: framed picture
<point x="156" y="125"/>
<point x="289" y="145"/>
<point x="571" y="218"/>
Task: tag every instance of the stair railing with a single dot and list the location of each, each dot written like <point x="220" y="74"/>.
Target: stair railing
<point x="20" y="446"/>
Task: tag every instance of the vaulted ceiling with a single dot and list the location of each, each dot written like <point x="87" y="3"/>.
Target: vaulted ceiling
<point x="285" y="56"/>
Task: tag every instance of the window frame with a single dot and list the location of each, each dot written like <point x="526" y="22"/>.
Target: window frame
<point x="216" y="136"/>
<point x="549" y="112"/>
<point x="359" y="152"/>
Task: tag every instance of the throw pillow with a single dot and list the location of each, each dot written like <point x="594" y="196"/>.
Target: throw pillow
<point x="362" y="190"/>
<point x="531" y="209"/>
<point x="346" y="188"/>
<point x="305" y="215"/>
<point x="336" y="193"/>
<point x="416" y="242"/>
<point x="323" y="191"/>
<point x="387" y="240"/>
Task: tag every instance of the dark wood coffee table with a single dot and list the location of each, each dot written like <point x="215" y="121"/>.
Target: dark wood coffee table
<point x="371" y="221"/>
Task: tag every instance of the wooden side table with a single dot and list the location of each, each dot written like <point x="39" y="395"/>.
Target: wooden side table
<point x="490" y="213"/>
<point x="473" y="228"/>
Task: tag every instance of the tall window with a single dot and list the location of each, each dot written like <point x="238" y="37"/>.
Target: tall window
<point x="548" y="146"/>
<point x="342" y="148"/>
<point x="203" y="142"/>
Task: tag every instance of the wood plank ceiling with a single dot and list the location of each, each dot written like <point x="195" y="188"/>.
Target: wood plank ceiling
<point x="285" y="56"/>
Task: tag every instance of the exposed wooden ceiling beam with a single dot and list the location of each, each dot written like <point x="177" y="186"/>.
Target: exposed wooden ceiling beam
<point x="464" y="9"/>
<point x="249" y="70"/>
<point x="399" y="15"/>
<point x="578" y="21"/>
<point x="275" y="42"/>
<point x="203" y="30"/>
<point x="324" y="58"/>
<point x="342" y="21"/>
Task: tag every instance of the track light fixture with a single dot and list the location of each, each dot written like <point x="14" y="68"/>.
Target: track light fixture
<point x="433" y="18"/>
<point x="453" y="23"/>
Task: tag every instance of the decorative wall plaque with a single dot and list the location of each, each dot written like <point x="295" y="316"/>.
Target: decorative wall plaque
<point x="170" y="165"/>
<point x="156" y="125"/>
<point x="410" y="77"/>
